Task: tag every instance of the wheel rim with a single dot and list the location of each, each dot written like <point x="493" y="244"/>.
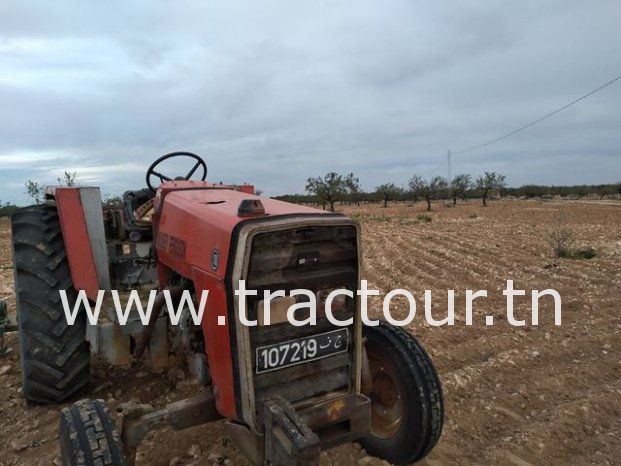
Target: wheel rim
<point x="386" y="399"/>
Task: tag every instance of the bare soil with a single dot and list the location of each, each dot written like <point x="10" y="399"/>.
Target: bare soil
<point x="541" y="394"/>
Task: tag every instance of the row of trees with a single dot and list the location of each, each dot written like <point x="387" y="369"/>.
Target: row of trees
<point x="7" y="209"/>
<point x="533" y="190"/>
<point x="439" y="188"/>
<point x="334" y="188"/>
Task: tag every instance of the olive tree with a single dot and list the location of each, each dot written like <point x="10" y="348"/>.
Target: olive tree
<point x="389" y="192"/>
<point x="352" y="185"/>
<point x="68" y="179"/>
<point x="418" y="187"/>
<point x="489" y="181"/>
<point x="459" y="185"/>
<point x="34" y="190"/>
<point x="328" y="190"/>
<point x="434" y="188"/>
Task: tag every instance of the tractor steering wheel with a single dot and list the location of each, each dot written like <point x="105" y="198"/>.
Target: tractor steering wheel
<point x="199" y="163"/>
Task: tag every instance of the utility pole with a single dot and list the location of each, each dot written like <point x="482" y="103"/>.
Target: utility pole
<point x="449" y="167"/>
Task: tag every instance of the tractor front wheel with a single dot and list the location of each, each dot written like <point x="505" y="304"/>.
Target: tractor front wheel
<point x="88" y="436"/>
<point x="407" y="409"/>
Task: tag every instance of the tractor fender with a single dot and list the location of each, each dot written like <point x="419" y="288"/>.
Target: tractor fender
<point x="81" y="221"/>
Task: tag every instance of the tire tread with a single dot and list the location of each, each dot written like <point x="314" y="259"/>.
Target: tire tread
<point x="88" y="436"/>
<point x="419" y="365"/>
<point x="55" y="356"/>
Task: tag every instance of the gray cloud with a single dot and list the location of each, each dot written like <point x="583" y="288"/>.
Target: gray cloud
<point x="273" y="92"/>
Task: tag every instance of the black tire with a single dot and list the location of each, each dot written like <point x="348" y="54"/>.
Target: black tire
<point x="88" y="436"/>
<point x="55" y="356"/>
<point x="406" y="399"/>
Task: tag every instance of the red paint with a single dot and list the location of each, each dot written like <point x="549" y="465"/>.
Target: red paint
<point x="192" y="220"/>
<point x="247" y="188"/>
<point x="77" y="242"/>
<point x="202" y="216"/>
<point x="217" y="341"/>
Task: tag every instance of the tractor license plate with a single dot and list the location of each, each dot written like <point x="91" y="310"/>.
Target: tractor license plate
<point x="292" y="352"/>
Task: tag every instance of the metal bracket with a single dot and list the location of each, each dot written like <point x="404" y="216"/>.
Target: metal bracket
<point x="108" y="341"/>
<point x="112" y="343"/>
<point x="288" y="439"/>
<point x="158" y="344"/>
<point x="199" y="409"/>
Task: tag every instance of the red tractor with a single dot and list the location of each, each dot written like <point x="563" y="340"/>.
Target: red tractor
<point x="371" y="384"/>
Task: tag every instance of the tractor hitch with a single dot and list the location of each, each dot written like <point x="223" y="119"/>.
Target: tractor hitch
<point x="288" y="439"/>
<point x="199" y="409"/>
<point x="291" y="436"/>
<point x="297" y="434"/>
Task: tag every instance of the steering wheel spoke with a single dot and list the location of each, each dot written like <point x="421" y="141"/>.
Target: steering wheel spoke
<point x="200" y="163"/>
<point x="191" y="172"/>
<point x="160" y="176"/>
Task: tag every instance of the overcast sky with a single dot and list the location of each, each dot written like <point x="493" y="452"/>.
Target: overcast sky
<point x="271" y="92"/>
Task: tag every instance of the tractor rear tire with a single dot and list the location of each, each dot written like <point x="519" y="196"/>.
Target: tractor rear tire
<point x="55" y="356"/>
<point x="88" y="436"/>
<point x="407" y="408"/>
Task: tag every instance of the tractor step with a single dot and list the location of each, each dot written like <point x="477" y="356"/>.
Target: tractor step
<point x="296" y="434"/>
<point x="288" y="439"/>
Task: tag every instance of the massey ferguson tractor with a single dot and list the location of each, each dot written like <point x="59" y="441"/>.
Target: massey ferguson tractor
<point x="285" y="392"/>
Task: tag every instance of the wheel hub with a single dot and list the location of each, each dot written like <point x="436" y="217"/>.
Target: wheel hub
<point x="386" y="399"/>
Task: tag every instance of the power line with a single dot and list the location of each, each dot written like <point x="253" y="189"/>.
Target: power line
<point x="447" y="158"/>
<point x="538" y="120"/>
<point x="435" y="170"/>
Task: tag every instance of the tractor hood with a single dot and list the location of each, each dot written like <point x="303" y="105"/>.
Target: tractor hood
<point x="193" y="222"/>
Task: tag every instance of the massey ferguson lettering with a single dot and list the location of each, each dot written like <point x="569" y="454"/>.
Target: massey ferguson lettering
<point x="171" y="245"/>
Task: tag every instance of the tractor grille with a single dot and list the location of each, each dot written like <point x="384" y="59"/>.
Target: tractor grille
<point x="317" y="258"/>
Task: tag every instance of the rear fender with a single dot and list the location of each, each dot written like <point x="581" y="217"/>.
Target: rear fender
<point x="81" y="221"/>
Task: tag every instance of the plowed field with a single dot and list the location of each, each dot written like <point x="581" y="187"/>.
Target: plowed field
<point x="541" y="394"/>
